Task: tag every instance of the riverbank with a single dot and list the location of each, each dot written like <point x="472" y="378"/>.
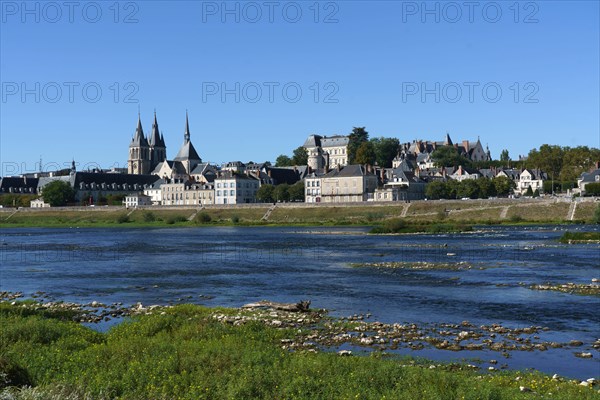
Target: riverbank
<point x="501" y="211"/>
<point x="194" y="352"/>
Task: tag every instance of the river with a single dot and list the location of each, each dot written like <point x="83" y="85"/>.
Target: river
<point x="231" y="266"/>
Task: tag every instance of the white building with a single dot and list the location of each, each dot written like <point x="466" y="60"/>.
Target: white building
<point x="180" y="193"/>
<point x="533" y="178"/>
<point x="234" y="188"/>
<point x="38" y="203"/>
<point x="137" y="199"/>
<point x="312" y="185"/>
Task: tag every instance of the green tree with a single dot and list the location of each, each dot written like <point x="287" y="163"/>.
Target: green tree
<point x="365" y="154"/>
<point x="503" y="185"/>
<point x="468" y="188"/>
<point x="300" y="156"/>
<point x="452" y="187"/>
<point x="436" y="190"/>
<point x="58" y="193"/>
<point x="296" y="191"/>
<point x="386" y="150"/>
<point x="356" y="138"/>
<point x="283" y="161"/>
<point x="548" y="158"/>
<point x="592" y="189"/>
<point x="529" y="191"/>
<point x="448" y="156"/>
<point x="536" y="193"/>
<point x="265" y="193"/>
<point x="281" y="192"/>
<point x="504" y="156"/>
<point x="577" y="160"/>
<point x="486" y="188"/>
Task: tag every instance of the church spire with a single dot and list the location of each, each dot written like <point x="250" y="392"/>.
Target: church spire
<point x="186" y="135"/>
<point x="155" y="139"/>
<point x="139" y="139"/>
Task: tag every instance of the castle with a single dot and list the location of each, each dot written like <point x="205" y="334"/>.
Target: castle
<point x="149" y="155"/>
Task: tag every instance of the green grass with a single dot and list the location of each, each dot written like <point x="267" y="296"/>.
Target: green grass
<point x="186" y="354"/>
<point x="580" y="237"/>
<point x="425" y="212"/>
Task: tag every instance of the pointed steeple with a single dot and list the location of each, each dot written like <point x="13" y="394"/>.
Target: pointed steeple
<point x="139" y="139"/>
<point x="448" y="141"/>
<point x="186" y="135"/>
<point x="187" y="152"/>
<point x="155" y="139"/>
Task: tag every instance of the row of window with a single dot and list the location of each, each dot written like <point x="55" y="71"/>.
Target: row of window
<point x="239" y="185"/>
<point x="232" y="193"/>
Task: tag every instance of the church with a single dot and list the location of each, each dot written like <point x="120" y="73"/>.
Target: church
<point x="148" y="156"/>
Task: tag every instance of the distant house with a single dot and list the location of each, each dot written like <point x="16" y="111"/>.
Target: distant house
<point x="137" y="199"/>
<point x="186" y="193"/>
<point x="463" y="173"/>
<point x="352" y="183"/>
<point x="588" y="177"/>
<point x="531" y="178"/>
<point x="312" y="186"/>
<point x="400" y="185"/>
<point x="235" y="188"/>
<point x="38" y="203"/>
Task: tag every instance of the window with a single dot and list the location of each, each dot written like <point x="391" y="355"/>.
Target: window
<point x="232" y="192"/>
<point x="232" y="185"/>
<point x="218" y="185"/>
<point x="218" y="192"/>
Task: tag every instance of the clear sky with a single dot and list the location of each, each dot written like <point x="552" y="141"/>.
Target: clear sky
<point x="517" y="76"/>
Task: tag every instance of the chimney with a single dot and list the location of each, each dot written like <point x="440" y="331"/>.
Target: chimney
<point x="465" y="144"/>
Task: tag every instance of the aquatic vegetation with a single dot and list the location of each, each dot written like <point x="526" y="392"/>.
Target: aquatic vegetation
<point x="580" y="237"/>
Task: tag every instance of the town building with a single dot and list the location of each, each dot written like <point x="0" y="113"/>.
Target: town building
<point x="187" y="193"/>
<point x="137" y="199"/>
<point x="235" y="188"/>
<point x="352" y="183"/>
<point x="325" y="152"/>
<point x="587" y="178"/>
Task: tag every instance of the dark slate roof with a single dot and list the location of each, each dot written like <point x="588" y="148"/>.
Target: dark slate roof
<point x="282" y="175"/>
<point x="156" y="139"/>
<point x="108" y="179"/>
<point x="487" y="173"/>
<point x="334" y="141"/>
<point x="187" y="152"/>
<point x="537" y="174"/>
<point x="590" y="176"/>
<point x="349" y="171"/>
<point x="313" y="141"/>
<point x="18" y="185"/>
<point x="139" y="140"/>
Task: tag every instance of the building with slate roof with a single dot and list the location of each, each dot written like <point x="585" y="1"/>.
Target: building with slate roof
<point x="352" y="183"/>
<point x="327" y="152"/>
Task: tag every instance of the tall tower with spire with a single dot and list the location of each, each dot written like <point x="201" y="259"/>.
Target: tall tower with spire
<point x="139" y="152"/>
<point x="187" y="154"/>
<point x="158" y="148"/>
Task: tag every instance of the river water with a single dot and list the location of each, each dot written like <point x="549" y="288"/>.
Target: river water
<point x="231" y="266"/>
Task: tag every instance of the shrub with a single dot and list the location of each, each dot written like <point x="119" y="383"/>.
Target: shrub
<point x="123" y="218"/>
<point x="149" y="216"/>
<point x="175" y="218"/>
<point x="596" y="217"/>
<point x="234" y="220"/>
<point x="203" y="218"/>
<point x="516" y="218"/>
<point x="12" y="374"/>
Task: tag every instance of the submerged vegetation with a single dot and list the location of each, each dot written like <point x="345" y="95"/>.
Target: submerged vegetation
<point x="192" y="352"/>
<point x="402" y="226"/>
<point x="580" y="237"/>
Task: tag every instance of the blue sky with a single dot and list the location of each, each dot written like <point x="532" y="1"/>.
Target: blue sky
<point x="410" y="70"/>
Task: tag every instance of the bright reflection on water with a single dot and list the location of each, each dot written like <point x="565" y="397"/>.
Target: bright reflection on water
<point x="240" y="265"/>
